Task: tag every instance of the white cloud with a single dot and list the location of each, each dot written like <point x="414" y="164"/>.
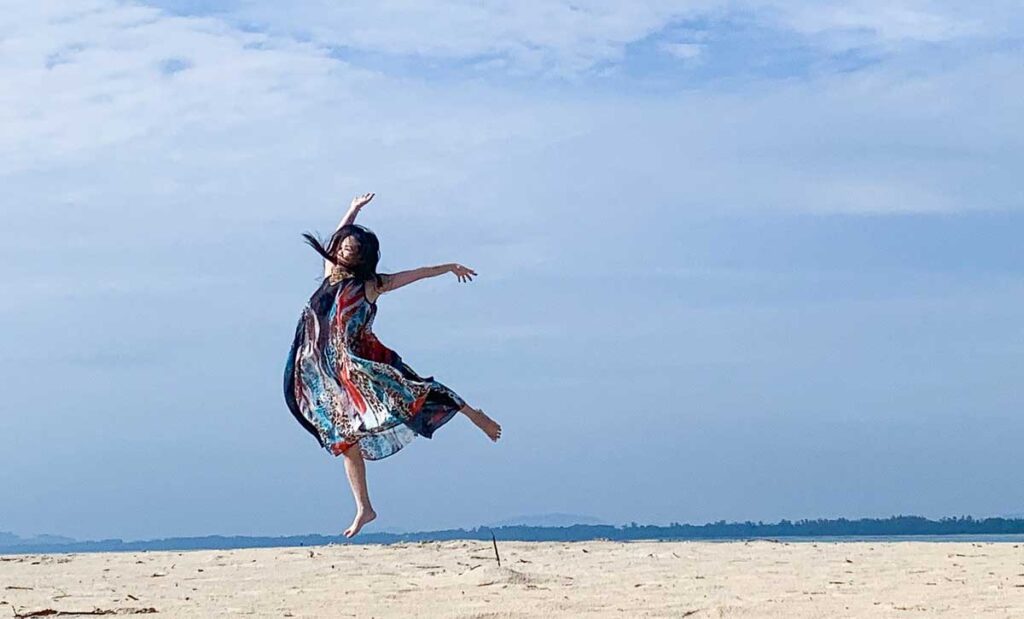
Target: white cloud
<point x="83" y="79"/>
<point x="885" y="22"/>
<point x="905" y="21"/>
<point x="116" y="104"/>
<point x="533" y="35"/>
<point x="566" y="37"/>
<point x="685" y="51"/>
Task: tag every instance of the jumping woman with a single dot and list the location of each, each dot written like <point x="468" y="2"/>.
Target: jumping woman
<point x="353" y="394"/>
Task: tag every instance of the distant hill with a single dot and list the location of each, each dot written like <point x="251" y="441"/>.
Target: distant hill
<point x="895" y="526"/>
<point x="10" y="539"/>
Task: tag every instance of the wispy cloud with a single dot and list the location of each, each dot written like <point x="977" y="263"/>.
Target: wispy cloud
<point x="111" y="73"/>
<point x="207" y="109"/>
<point x="560" y="38"/>
<point x="685" y="51"/>
<point x="564" y="39"/>
<point x="881" y="22"/>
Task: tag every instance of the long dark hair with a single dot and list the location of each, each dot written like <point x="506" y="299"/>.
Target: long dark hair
<point x="369" y="250"/>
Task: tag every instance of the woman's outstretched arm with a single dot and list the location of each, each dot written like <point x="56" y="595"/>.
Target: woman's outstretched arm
<point x="394" y="281"/>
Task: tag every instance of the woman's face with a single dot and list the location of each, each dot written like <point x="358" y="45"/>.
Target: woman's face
<point x="349" y="251"/>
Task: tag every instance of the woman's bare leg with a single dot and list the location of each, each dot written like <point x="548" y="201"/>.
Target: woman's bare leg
<point x="355" y="468"/>
<point x="482" y="421"/>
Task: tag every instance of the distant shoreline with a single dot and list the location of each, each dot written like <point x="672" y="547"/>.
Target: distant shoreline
<point x="896" y="528"/>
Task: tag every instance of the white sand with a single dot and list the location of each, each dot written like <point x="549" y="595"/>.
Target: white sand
<point x="590" y="579"/>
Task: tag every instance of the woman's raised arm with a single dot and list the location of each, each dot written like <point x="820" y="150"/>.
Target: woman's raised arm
<point x="354" y="207"/>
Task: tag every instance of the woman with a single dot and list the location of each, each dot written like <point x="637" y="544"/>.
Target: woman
<point x="355" y="395"/>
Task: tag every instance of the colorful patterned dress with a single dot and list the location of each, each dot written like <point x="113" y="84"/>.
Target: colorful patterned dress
<point x="346" y="388"/>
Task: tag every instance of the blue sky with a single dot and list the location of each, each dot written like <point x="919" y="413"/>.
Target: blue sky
<point x="739" y="260"/>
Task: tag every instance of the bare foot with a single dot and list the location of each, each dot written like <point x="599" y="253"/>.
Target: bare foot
<point x="482" y="421"/>
<point x="362" y="517"/>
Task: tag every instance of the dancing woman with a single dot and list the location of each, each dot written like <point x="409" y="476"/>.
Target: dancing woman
<point x="353" y="394"/>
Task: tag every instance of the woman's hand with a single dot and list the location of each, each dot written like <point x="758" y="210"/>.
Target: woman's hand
<point x="361" y="201"/>
<point x="465" y="274"/>
<point x="358" y="202"/>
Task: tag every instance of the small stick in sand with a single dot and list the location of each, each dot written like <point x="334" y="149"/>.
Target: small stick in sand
<point x="495" y="542"/>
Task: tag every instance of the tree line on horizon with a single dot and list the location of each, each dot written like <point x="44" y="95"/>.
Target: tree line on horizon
<point x="720" y="530"/>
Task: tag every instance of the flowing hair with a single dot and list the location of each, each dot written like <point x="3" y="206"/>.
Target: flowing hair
<point x="368" y="256"/>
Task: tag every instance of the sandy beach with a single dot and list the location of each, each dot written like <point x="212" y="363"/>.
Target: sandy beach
<point x="535" y="579"/>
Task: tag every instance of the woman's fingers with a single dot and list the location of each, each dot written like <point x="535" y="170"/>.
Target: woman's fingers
<point x="464" y="274"/>
<point x="363" y="199"/>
